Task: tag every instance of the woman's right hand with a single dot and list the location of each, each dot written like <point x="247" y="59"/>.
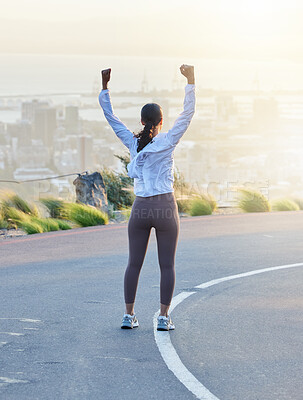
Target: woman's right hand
<point x="105" y="77"/>
<point x="188" y="72"/>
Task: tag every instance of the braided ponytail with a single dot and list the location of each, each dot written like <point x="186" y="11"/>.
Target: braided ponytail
<point x="151" y="115"/>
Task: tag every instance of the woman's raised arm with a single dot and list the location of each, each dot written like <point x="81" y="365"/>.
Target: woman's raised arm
<point x="123" y="133"/>
<point x="182" y="122"/>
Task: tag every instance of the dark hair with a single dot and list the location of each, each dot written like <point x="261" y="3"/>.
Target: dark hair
<point x="151" y="115"/>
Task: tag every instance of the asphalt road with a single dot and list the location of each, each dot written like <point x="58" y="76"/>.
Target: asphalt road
<point x="61" y="296"/>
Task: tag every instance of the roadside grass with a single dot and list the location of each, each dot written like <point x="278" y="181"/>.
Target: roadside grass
<point x="14" y="200"/>
<point x="183" y="205"/>
<point x="31" y="227"/>
<point x="18" y="213"/>
<point x="63" y="225"/>
<point x="47" y="224"/>
<point x="284" y="204"/>
<point x="84" y="215"/>
<point x="200" y="206"/>
<point x="55" y="207"/>
<point x="14" y="217"/>
<point x="3" y="223"/>
<point x="126" y="211"/>
<point x="210" y="199"/>
<point x="298" y="201"/>
<point x="252" y="201"/>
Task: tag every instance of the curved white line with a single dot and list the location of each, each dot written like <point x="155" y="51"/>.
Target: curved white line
<point x="167" y="350"/>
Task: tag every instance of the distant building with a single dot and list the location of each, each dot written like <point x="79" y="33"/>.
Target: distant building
<point x="45" y="187"/>
<point x="45" y="124"/>
<point x="85" y="152"/>
<point x="28" y="109"/>
<point x="32" y="156"/>
<point x="144" y="84"/>
<point x="2" y="128"/>
<point x="21" y="132"/>
<point x="224" y="108"/>
<point x="32" y="173"/>
<point x="266" y="113"/>
<point x="72" y="119"/>
<point x="3" y="136"/>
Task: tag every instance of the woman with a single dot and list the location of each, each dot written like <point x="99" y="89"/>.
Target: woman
<point x="151" y="166"/>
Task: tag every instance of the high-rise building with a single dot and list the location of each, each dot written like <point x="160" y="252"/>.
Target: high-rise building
<point x="85" y="152"/>
<point x="2" y="134"/>
<point x="224" y="107"/>
<point x="28" y="109"/>
<point x="21" y="131"/>
<point x="45" y="124"/>
<point x="72" y="119"/>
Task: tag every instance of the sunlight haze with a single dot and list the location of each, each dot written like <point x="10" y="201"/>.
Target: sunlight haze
<point x="218" y="29"/>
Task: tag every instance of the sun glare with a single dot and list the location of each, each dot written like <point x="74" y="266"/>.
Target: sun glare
<point x="255" y="7"/>
<point x="257" y="19"/>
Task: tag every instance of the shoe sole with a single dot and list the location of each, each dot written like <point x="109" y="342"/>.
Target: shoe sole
<point x="129" y="326"/>
<point x="163" y="328"/>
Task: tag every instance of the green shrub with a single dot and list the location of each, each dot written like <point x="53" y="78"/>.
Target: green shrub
<point x="54" y="206"/>
<point x="14" y="217"/>
<point x="210" y="199"/>
<point x="200" y="206"/>
<point x="126" y="211"/>
<point x="14" y="200"/>
<point x="47" y="224"/>
<point x="31" y="227"/>
<point x="253" y="201"/>
<point x="182" y="192"/>
<point x="85" y="215"/>
<point x="118" y="188"/>
<point x="183" y="205"/>
<point x="284" y="205"/>
<point x="298" y="201"/>
<point x="63" y="225"/>
<point x="3" y="222"/>
<point x="181" y="187"/>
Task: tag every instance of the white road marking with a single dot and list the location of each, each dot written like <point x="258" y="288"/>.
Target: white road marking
<point x="31" y="329"/>
<point x="172" y="359"/>
<point x="24" y="319"/>
<point x="12" y="333"/>
<point x="2" y="344"/>
<point x="119" y="358"/>
<point x="6" y="381"/>
<point x="167" y="349"/>
<point x="244" y="274"/>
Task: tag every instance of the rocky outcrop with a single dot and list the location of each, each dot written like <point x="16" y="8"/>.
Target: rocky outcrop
<point x="90" y="189"/>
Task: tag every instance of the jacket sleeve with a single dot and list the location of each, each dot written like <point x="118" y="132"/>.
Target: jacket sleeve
<point x="182" y="122"/>
<point x="123" y="133"/>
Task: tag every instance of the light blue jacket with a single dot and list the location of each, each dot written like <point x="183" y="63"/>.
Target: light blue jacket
<point x="153" y="167"/>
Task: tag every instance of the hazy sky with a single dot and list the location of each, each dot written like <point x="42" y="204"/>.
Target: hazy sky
<point x="252" y="29"/>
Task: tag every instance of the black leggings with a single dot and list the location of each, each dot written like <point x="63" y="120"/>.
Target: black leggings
<point x="161" y="212"/>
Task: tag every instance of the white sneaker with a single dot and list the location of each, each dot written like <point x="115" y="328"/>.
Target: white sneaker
<point x="129" y="321"/>
<point x="165" y="323"/>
